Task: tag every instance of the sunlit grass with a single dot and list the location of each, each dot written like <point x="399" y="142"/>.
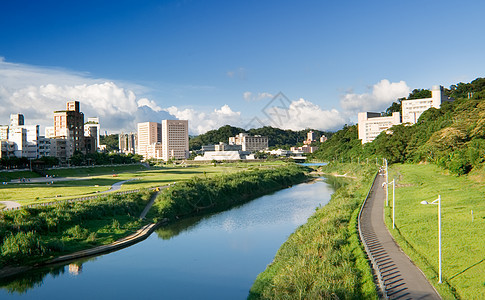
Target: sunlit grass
<point x="463" y="240"/>
<point x="90" y="181"/>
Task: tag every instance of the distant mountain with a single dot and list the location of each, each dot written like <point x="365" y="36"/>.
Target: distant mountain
<point x="276" y="137"/>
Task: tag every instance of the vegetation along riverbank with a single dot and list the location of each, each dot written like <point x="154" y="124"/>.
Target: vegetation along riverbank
<point x="323" y="258"/>
<point x="201" y="195"/>
<point x="38" y="234"/>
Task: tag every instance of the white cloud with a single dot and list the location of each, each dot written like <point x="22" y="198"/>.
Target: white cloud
<point x="150" y="103"/>
<point x="201" y="122"/>
<point x="248" y="96"/>
<point x="302" y="114"/>
<point x="37" y="92"/>
<point x="378" y="99"/>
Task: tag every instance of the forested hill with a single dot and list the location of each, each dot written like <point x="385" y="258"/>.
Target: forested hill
<point x="276" y="137"/>
<point x="452" y="136"/>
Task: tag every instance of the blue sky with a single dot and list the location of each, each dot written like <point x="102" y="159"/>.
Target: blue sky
<point x="218" y="62"/>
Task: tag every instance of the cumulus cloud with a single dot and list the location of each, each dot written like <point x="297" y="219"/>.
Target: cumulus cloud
<point x="302" y="114"/>
<point x="378" y="99"/>
<point x="37" y="92"/>
<point x="201" y="122"/>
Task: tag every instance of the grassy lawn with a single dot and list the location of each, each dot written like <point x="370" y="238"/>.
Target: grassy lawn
<point x="98" y="179"/>
<point x="463" y="240"/>
<point x="7" y="176"/>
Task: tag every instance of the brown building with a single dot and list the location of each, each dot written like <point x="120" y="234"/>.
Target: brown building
<point x="69" y="125"/>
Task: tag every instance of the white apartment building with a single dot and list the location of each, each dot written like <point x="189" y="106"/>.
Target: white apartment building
<point x="175" y="139"/>
<point x="92" y="129"/>
<point x="371" y="124"/>
<point x="148" y="133"/>
<point x="412" y="109"/>
<point x="250" y="143"/>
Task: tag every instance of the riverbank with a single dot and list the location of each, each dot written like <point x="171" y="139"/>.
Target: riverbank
<point x="323" y="258"/>
<point x="206" y="195"/>
<point x="51" y="234"/>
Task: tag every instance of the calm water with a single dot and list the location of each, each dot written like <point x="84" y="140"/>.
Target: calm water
<point x="215" y="257"/>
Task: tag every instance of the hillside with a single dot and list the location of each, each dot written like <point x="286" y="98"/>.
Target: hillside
<point x="276" y="137"/>
<point x="453" y="136"/>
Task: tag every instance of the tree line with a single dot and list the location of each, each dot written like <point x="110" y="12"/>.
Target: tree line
<point x="452" y="136"/>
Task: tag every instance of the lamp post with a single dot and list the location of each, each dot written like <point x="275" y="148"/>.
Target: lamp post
<point x="387" y="182"/>
<point x="393" y="202"/>
<point x="437" y="201"/>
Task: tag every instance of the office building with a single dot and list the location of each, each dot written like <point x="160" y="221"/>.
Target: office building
<point x="127" y="142"/>
<point x="371" y="124"/>
<point x="175" y="139"/>
<point x="148" y="133"/>
<point x="69" y="124"/>
<point x="92" y="129"/>
<point x="250" y="143"/>
<point x="412" y="109"/>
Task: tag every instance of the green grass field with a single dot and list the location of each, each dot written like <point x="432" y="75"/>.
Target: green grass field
<point x="90" y="181"/>
<point x="463" y="240"/>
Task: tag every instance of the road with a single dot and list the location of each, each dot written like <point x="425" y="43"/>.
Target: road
<point x="400" y="277"/>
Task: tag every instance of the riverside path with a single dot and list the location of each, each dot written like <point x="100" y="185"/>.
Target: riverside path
<point x="397" y="276"/>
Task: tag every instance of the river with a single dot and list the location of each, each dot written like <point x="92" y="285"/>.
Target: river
<point x="213" y="257"/>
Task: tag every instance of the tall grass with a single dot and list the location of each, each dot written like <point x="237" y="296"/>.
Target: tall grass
<point x="31" y="233"/>
<point x="201" y="195"/>
<point x="323" y="258"/>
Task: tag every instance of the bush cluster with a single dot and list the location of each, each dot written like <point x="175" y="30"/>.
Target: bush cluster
<point x="220" y="192"/>
<point x="22" y="231"/>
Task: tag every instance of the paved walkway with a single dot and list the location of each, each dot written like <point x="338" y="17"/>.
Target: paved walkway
<point x="400" y="278"/>
<point x="10" y="204"/>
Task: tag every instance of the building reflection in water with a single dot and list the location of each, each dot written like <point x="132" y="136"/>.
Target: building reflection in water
<point x="75" y="269"/>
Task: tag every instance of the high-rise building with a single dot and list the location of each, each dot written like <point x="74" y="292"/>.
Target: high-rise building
<point x="127" y="142"/>
<point x="175" y="139"/>
<point x="148" y="133"/>
<point x="92" y="129"/>
<point x="69" y="124"/>
<point x="17" y="120"/>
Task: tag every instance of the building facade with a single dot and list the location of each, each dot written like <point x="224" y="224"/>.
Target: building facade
<point x="412" y="109"/>
<point x="148" y="133"/>
<point x="69" y="124"/>
<point x="92" y="130"/>
<point x="371" y="124"/>
<point x="250" y="143"/>
<point x="127" y="142"/>
<point x="175" y="139"/>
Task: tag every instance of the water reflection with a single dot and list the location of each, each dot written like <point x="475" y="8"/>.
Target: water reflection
<point x="23" y="282"/>
<point x="213" y="257"/>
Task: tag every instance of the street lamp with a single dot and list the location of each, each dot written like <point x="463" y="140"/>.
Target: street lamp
<point x="437" y="201"/>
<point x="393" y="202"/>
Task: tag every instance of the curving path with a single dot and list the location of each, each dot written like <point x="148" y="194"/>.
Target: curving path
<point x="10" y="204"/>
<point x="398" y="277"/>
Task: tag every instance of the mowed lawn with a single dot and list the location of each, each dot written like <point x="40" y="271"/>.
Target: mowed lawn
<point x="463" y="239"/>
<point x="91" y="181"/>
